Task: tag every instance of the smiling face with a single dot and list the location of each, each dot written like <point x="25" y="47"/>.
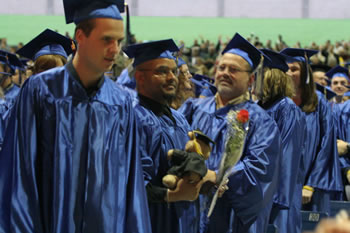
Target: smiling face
<point x="99" y="49"/>
<point x="232" y="77"/>
<point x="157" y="79"/>
<point x="338" y="85"/>
<point x="295" y="72"/>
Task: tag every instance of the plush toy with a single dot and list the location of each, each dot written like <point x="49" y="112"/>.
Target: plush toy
<point x="190" y="162"/>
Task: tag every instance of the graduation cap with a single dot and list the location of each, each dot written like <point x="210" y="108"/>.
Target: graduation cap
<point x="80" y="10"/>
<point x="203" y="82"/>
<point x="200" y="77"/>
<point x="47" y="42"/>
<point x="11" y="60"/>
<point x="203" y="137"/>
<point x="338" y="71"/>
<point x="297" y="55"/>
<point x="320" y="67"/>
<point x="151" y="50"/>
<point x="241" y="47"/>
<point x="275" y="61"/>
<point x="3" y="60"/>
<point x="24" y="61"/>
<point x="326" y="91"/>
<point x="4" y="75"/>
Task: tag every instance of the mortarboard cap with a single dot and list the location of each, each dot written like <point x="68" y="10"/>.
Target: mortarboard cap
<point x="80" y="10"/>
<point x="297" y="55"/>
<point x="12" y="61"/>
<point x="326" y="91"/>
<point x="47" y="42"/>
<point x="200" y="77"/>
<point x="24" y="61"/>
<point x="151" y="50"/>
<point x="241" y="47"/>
<point x="320" y="67"/>
<point x="276" y="60"/>
<point x="203" y="137"/>
<point x="201" y="83"/>
<point x="3" y="60"/>
<point x="338" y="71"/>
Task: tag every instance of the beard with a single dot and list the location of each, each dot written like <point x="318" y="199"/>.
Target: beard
<point x="169" y="97"/>
<point x="226" y="92"/>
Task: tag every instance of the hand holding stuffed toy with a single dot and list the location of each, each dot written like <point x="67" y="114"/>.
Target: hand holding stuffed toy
<point x="190" y="162"/>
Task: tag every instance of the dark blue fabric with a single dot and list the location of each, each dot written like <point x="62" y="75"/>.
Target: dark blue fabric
<point x="158" y="135"/>
<point x="292" y="125"/>
<point x="320" y="163"/>
<point x="342" y="119"/>
<point x="125" y="80"/>
<point x="255" y="178"/>
<point x="4" y="107"/>
<point x="11" y="94"/>
<point x="69" y="161"/>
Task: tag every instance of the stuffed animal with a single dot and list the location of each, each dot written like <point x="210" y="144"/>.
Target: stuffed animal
<point x="190" y="162"/>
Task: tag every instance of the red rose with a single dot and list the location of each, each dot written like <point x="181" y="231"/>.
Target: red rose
<point x="243" y="116"/>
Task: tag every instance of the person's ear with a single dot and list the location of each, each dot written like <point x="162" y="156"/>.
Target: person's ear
<point x="251" y="80"/>
<point x="79" y="35"/>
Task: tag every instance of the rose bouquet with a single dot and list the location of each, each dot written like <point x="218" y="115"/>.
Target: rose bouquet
<point x="237" y="128"/>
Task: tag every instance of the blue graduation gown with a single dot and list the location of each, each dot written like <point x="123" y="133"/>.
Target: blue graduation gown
<point x="69" y="161"/>
<point x="125" y="80"/>
<point x="291" y="123"/>
<point x="158" y="135"/>
<point x="12" y="93"/>
<point x="3" y="116"/>
<point x="320" y="163"/>
<point x="341" y="114"/>
<point x="254" y="182"/>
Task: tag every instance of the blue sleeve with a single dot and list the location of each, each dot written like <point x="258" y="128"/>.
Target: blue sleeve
<point x="325" y="173"/>
<point x="137" y="219"/>
<point x="18" y="191"/>
<point x="187" y="110"/>
<point x="254" y="181"/>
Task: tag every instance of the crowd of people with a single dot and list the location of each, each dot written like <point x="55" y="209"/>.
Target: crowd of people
<point x="99" y="135"/>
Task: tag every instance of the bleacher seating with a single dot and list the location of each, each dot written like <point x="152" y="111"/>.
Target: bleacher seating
<point x="310" y="219"/>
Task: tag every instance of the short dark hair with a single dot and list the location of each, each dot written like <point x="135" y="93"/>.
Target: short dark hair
<point x="86" y="26"/>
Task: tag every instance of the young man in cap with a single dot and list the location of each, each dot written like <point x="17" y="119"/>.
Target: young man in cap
<point x="254" y="178"/>
<point x="161" y="129"/>
<point x="69" y="162"/>
<point x="339" y="79"/>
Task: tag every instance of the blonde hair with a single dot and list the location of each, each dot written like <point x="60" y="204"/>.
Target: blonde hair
<point x="182" y="94"/>
<point x="277" y="83"/>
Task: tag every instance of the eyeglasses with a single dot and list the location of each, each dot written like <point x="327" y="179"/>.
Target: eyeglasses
<point x="163" y="71"/>
<point x="231" y="69"/>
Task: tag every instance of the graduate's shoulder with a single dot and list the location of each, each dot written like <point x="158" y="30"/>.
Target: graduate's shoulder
<point x="286" y="106"/>
<point x="257" y="114"/>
